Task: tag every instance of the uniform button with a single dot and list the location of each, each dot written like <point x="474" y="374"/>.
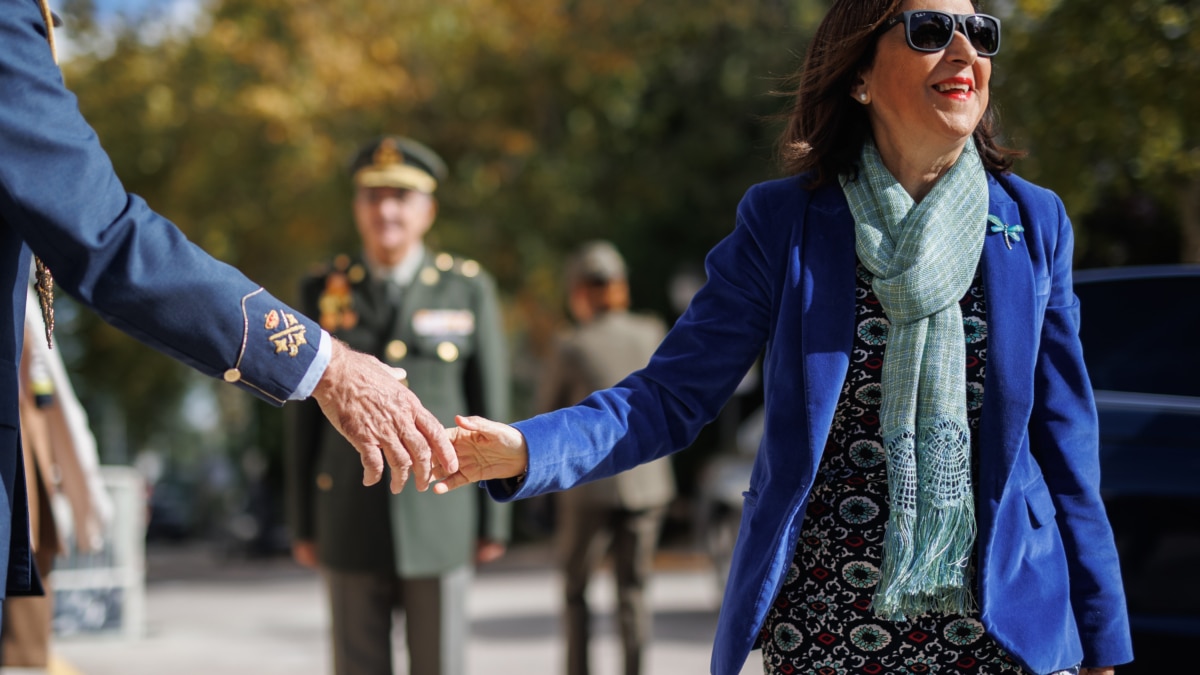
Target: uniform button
<point x="470" y="268"/>
<point x="429" y="276"/>
<point x="444" y="261"/>
<point x="396" y="350"/>
<point x="447" y="351"/>
<point x="232" y="375"/>
<point x="325" y="482"/>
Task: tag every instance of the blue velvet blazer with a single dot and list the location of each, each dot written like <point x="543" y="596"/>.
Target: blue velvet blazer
<point x="60" y="199"/>
<point x="1048" y="583"/>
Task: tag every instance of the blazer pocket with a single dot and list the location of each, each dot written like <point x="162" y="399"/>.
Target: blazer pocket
<point x="1041" y="507"/>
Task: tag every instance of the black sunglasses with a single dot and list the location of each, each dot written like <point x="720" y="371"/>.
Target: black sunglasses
<point x="928" y="30"/>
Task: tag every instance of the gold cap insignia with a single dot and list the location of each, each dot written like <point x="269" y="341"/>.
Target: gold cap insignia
<point x="387" y="154"/>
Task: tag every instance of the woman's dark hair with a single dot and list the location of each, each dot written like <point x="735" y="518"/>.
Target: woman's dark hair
<point x="826" y="128"/>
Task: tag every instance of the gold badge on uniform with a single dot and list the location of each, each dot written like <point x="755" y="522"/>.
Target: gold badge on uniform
<point x="396" y="350"/>
<point x="336" y="304"/>
<point x="447" y="351"/>
<point x="291" y="338"/>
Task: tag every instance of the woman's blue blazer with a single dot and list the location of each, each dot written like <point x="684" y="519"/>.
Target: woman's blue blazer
<point x="782" y="284"/>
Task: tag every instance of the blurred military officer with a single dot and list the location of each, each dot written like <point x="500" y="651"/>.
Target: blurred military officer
<point x="622" y="514"/>
<point x="437" y="316"/>
<point x="61" y="200"/>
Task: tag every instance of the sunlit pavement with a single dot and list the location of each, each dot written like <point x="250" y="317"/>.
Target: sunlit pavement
<point x="206" y="615"/>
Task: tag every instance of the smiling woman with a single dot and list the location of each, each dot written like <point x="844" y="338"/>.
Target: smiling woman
<point x="873" y="280"/>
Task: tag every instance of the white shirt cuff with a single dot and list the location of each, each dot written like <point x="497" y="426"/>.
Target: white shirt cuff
<point x="315" y="369"/>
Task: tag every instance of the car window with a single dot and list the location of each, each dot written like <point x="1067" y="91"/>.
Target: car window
<point x="1140" y="334"/>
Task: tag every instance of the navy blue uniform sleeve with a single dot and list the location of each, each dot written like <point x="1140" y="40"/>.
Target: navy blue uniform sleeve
<point x="108" y="249"/>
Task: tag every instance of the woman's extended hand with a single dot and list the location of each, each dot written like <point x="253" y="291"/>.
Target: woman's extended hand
<point x="486" y="450"/>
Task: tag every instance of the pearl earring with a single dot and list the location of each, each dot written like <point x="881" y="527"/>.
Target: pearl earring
<point x="863" y="97"/>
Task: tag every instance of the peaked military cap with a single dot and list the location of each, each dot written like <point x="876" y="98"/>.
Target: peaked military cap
<point x="396" y="161"/>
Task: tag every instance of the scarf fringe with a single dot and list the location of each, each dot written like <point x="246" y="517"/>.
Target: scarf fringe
<point x="929" y="536"/>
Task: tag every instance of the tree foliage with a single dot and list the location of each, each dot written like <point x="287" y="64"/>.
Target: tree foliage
<point x="1104" y="97"/>
<point x="563" y="120"/>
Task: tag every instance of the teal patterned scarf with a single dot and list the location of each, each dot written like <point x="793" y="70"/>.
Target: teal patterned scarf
<point x="923" y="257"/>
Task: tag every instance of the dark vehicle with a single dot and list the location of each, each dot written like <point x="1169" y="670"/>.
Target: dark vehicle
<point x="1139" y="330"/>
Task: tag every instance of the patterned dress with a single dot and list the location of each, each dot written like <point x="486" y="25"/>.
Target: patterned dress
<point x="821" y="621"/>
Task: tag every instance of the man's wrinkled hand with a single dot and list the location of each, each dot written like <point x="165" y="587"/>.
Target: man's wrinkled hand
<point x="366" y="402"/>
<point x="486" y="450"/>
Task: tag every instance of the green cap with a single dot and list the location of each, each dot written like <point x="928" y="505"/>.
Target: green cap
<point x="396" y="161"/>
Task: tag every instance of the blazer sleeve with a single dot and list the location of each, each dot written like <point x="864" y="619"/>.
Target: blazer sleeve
<point x="60" y="196"/>
<point x="1064" y="438"/>
<point x="661" y="408"/>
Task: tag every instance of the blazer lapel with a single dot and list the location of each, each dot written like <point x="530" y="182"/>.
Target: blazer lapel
<point x="826" y="262"/>
<point x="1012" y="339"/>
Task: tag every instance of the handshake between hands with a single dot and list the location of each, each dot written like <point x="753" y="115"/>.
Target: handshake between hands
<point x="367" y="402"/>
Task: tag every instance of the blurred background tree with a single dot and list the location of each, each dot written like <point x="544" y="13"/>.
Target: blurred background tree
<point x="1105" y="98"/>
<point x="562" y="120"/>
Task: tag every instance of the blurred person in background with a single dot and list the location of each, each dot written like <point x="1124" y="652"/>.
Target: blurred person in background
<point x="69" y="509"/>
<point x="61" y="201"/>
<point x="905" y="513"/>
<point x="622" y="514"/>
<point x="438" y="316"/>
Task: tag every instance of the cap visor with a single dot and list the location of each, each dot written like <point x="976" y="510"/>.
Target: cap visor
<point x="397" y="176"/>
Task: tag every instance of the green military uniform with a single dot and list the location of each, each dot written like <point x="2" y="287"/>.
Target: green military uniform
<point x="437" y="317"/>
<point x="445" y="331"/>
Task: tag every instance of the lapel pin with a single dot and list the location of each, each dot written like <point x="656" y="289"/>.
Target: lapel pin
<point x="1011" y="232"/>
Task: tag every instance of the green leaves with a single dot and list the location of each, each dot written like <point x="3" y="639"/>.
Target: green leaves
<point x="1103" y="96"/>
<point x="563" y="120"/>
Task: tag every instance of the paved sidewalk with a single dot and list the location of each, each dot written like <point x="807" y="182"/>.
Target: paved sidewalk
<point x="207" y="616"/>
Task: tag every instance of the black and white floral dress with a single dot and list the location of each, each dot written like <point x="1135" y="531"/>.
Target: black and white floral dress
<point x="821" y="621"/>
